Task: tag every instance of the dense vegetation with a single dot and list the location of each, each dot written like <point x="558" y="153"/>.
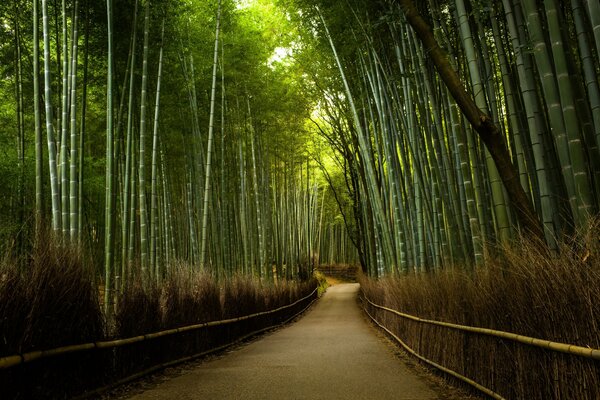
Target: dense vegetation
<point x="469" y="133"/>
<point x="168" y="132"/>
<point x="429" y="124"/>
<point x="261" y="138"/>
<point x="52" y="303"/>
<point x="156" y="157"/>
<point x="523" y="292"/>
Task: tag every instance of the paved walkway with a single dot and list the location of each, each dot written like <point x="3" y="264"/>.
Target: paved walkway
<point x="330" y="353"/>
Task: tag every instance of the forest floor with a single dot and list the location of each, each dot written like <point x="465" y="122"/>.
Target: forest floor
<point x="332" y="352"/>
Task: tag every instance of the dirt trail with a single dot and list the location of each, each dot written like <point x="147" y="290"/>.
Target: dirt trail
<point x="330" y="353"/>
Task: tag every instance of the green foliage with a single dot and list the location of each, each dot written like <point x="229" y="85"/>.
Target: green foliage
<point x="424" y="189"/>
<point x="265" y="57"/>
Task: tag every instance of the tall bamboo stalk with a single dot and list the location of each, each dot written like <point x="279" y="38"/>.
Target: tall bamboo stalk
<point x="54" y="188"/>
<point x="142" y="152"/>
<point x="109" y="216"/>
<point x="485" y="127"/>
<point x="210" y="142"/>
<point x="39" y="158"/>
<point x="74" y="161"/>
<point x="154" y="267"/>
<point x="63" y="157"/>
<point x="129" y="155"/>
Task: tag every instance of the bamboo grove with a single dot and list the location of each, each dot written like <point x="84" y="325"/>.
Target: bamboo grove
<point x="154" y="132"/>
<point x="262" y="137"/>
<point x="428" y="193"/>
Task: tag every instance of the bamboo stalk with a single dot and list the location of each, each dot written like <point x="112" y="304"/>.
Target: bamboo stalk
<point x="50" y="135"/>
<point x="110" y="184"/>
<point x="209" y="145"/>
<point x="482" y="123"/>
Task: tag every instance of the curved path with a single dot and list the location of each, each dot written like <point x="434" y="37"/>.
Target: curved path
<point x="330" y="353"/>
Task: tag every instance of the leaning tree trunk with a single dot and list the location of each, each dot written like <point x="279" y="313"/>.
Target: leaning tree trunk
<point x="488" y="132"/>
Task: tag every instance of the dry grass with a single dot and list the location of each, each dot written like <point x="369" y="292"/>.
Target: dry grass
<point x="525" y="291"/>
<point x="189" y="298"/>
<point x="138" y="311"/>
<point x="14" y="307"/>
<point x="50" y="302"/>
<point x="50" y="299"/>
<point x="241" y="296"/>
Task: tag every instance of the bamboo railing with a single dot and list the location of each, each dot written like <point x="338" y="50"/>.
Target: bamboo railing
<point x="527" y="340"/>
<point x="10" y="361"/>
<point x="531" y="341"/>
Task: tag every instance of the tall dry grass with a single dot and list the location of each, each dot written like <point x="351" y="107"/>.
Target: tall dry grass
<point x="49" y="302"/>
<point x="524" y="290"/>
<point x="50" y="299"/>
<point x="187" y="296"/>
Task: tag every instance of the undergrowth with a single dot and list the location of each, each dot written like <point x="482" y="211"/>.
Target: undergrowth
<point x="187" y="297"/>
<point x="51" y="299"/>
<point x="523" y="290"/>
<point x="322" y="282"/>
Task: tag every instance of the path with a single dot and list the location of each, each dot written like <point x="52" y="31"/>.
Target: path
<point x="330" y="353"/>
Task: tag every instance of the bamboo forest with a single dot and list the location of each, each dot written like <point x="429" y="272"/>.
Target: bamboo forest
<point x="303" y="199"/>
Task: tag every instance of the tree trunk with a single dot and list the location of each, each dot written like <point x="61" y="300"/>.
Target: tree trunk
<point x="482" y="123"/>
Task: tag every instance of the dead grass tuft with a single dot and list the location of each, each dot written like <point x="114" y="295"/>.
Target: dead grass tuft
<point x="189" y="298"/>
<point x="48" y="302"/>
